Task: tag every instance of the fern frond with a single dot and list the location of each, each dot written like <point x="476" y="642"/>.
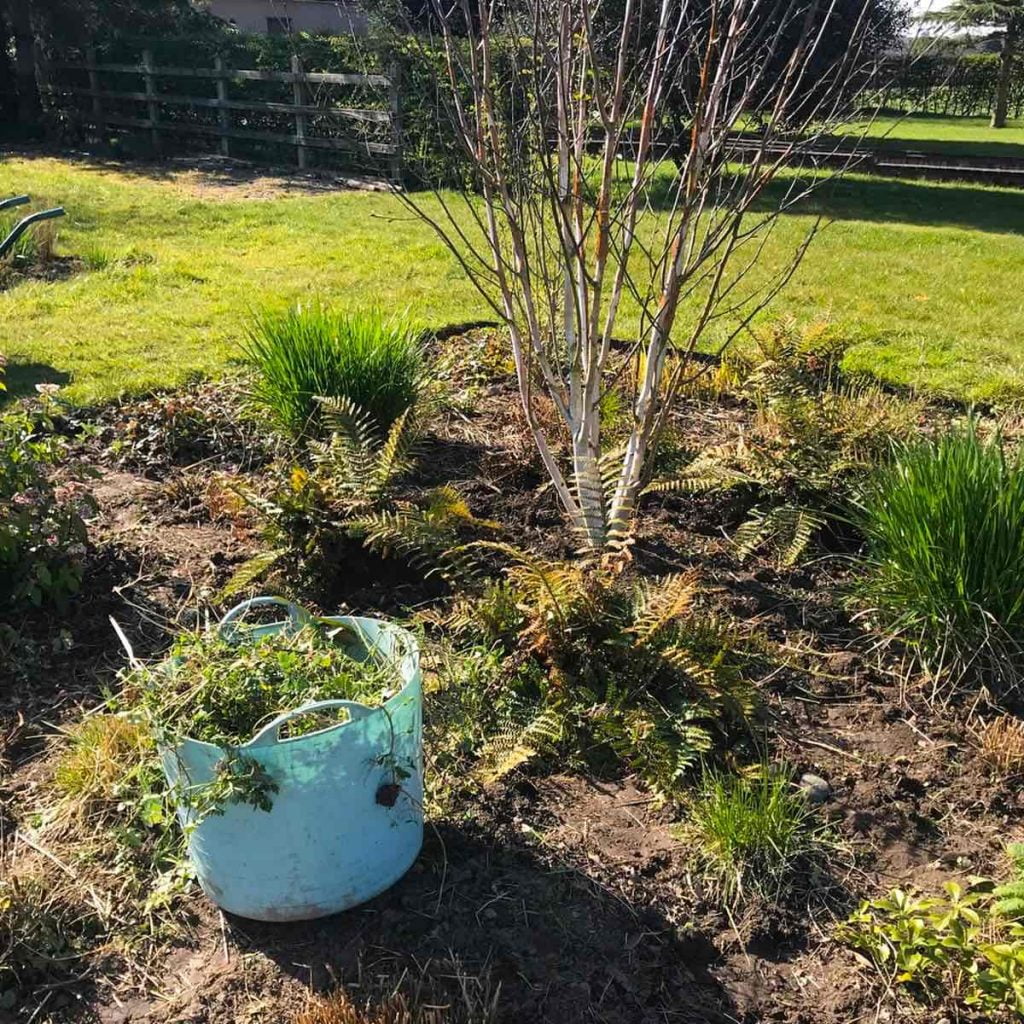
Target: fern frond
<point x="660" y="748"/>
<point x="343" y="417"/>
<point x="545" y="585"/>
<point x="264" y="506"/>
<point x="785" y="529"/>
<point x="250" y="571"/>
<point x="404" y="531"/>
<point x="445" y="504"/>
<point x="422" y="534"/>
<point x="661" y="605"/>
<point x="395" y="454"/>
<point x="350" y="454"/>
<point x="713" y="470"/>
<point x="511" y="748"/>
<point x="751" y="534"/>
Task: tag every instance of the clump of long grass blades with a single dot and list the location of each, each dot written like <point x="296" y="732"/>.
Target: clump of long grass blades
<point x="945" y="556"/>
<point x="752" y="835"/>
<point x="1001" y="745"/>
<point x="312" y="351"/>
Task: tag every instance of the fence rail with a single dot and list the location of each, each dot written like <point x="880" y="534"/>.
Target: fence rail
<point x="386" y="119"/>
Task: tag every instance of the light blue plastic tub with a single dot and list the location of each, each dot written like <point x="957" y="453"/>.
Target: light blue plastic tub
<point x="347" y="820"/>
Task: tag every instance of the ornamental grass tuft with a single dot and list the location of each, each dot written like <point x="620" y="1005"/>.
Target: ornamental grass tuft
<point x="944" y="524"/>
<point x="312" y="351"/>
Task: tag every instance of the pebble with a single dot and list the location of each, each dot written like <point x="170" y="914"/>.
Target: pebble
<point x="816" y="788"/>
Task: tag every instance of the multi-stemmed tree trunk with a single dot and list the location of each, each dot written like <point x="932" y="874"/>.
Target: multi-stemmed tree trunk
<point x="585" y="222"/>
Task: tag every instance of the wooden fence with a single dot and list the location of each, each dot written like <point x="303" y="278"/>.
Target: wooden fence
<point x="318" y="121"/>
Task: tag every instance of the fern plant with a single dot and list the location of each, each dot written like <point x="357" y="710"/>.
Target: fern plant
<point x="606" y="673"/>
<point x="803" y="458"/>
<point x="346" y="492"/>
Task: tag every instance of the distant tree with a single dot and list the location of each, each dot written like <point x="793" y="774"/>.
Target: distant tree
<point x="1007" y="17"/>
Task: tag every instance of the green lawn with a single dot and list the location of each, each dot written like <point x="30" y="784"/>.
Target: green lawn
<point x="925" y="275"/>
<point x="965" y="136"/>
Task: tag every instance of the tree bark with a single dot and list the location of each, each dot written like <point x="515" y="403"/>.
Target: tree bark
<point x="1006" y="55"/>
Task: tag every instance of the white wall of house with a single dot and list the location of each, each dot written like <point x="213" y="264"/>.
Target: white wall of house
<point x="334" y="16"/>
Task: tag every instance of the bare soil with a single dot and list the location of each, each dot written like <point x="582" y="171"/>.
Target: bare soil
<point x="563" y="898"/>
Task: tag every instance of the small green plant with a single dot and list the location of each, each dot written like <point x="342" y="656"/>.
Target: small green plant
<point x="945" y="554"/>
<point x="42" y="532"/>
<point x="311" y="351"/>
<point x="753" y="835"/>
<point x="962" y="950"/>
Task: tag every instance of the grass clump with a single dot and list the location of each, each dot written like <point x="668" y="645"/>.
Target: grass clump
<point x="443" y="992"/>
<point x="1001" y="745"/>
<point x="945" y="554"/>
<point x="45" y="932"/>
<point x="101" y="759"/>
<point x="311" y="351"/>
<point x="96" y="883"/>
<point x="752" y="835"/>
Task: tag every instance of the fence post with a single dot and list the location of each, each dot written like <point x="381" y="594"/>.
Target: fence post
<point x="152" y="105"/>
<point x="299" y="99"/>
<point x="395" y="103"/>
<point x="94" y="88"/>
<point x="223" y="116"/>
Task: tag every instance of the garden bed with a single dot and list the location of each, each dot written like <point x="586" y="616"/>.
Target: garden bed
<point x="545" y="895"/>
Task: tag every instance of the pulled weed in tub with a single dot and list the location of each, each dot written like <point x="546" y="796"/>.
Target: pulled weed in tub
<point x="221" y="691"/>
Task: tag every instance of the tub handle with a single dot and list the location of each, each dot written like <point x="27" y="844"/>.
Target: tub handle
<point x="269" y="733"/>
<point x="297" y="616"/>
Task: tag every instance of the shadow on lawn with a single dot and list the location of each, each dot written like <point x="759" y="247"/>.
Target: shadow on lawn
<point x="894" y="201"/>
<point x="209" y="170"/>
<point x="553" y="944"/>
<point x="859" y="197"/>
<point x="21" y="379"/>
<point x="924" y="203"/>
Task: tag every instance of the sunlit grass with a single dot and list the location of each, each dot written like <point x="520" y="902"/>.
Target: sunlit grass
<point x="925" y="275"/>
<point x="970" y="136"/>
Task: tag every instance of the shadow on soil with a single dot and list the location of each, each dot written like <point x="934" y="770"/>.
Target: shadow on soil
<point x="550" y="942"/>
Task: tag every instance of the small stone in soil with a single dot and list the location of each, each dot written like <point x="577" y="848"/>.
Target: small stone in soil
<point x="815" y="787"/>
